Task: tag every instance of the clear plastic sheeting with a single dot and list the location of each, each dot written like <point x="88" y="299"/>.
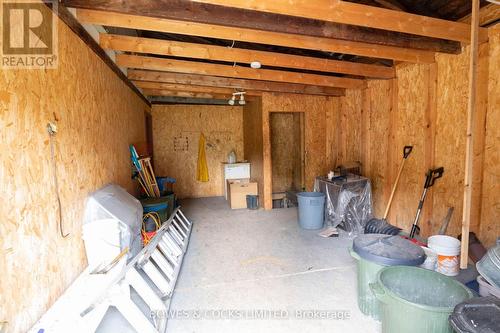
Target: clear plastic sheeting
<point x="348" y="203"/>
<point x="112" y="202"/>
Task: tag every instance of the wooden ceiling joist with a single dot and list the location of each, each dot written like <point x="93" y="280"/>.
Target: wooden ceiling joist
<point x="217" y="81"/>
<point x="175" y="93"/>
<point x="254" y="36"/>
<point x="220" y="53"/>
<point x="359" y="15"/>
<point x="183" y="10"/>
<point x="190" y="88"/>
<point x="488" y="14"/>
<point x="191" y="67"/>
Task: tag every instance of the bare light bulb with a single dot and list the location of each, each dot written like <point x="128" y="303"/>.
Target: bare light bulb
<point x="242" y="100"/>
<point x="255" y="64"/>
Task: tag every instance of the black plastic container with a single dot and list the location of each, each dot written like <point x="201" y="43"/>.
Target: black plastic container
<point x="252" y="201"/>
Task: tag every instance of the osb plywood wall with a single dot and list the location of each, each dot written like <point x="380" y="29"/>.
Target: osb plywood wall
<point x="176" y="133"/>
<point x="286" y="151"/>
<point x="426" y="106"/>
<point x="97" y="117"/>
<point x="377" y="141"/>
<point x="408" y="124"/>
<point x="252" y="141"/>
<point x="316" y="133"/>
<point x="349" y="121"/>
<point x="490" y="208"/>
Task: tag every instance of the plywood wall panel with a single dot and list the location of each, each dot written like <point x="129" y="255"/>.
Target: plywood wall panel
<point x="176" y="133"/>
<point x="332" y="126"/>
<point x="98" y="116"/>
<point x="285" y="151"/>
<point x="430" y="113"/>
<point x="490" y="212"/>
<point x="253" y="142"/>
<point x="450" y="135"/>
<point x="351" y="106"/>
<point x="408" y="128"/>
<point x="380" y="109"/>
<point x="314" y="108"/>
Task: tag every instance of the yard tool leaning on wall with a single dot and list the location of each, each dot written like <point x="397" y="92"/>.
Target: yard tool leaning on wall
<point x="376" y="226"/>
<point x="144" y="173"/>
<point x="430" y="178"/>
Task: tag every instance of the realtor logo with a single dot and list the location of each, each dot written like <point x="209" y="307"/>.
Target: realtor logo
<point x="29" y="34"/>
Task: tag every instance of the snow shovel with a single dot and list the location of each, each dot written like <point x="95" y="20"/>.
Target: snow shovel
<point x="430" y="178"/>
<point x="376" y="226"/>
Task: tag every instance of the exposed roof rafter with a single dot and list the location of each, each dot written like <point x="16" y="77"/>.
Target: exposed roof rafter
<point x="191" y="67"/>
<point x="220" y="53"/>
<point x="254" y="36"/>
<point x="360" y="15"/>
<point x="217" y="81"/>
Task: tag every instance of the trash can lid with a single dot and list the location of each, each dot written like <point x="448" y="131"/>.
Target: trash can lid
<point x="479" y="314"/>
<point x="388" y="250"/>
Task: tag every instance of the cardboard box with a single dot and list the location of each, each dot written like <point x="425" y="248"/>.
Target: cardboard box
<point x="238" y="189"/>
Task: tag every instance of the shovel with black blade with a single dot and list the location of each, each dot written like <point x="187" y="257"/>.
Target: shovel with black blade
<point x="430" y="178"/>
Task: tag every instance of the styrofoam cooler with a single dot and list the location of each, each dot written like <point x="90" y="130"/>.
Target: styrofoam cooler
<point x="102" y="242"/>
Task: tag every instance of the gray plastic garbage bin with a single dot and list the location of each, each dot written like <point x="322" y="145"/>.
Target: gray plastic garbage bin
<point x="311" y="209"/>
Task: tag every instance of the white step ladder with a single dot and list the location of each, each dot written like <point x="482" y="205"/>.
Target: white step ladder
<point x="152" y="274"/>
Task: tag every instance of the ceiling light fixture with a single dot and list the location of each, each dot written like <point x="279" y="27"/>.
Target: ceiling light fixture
<point x="242" y="101"/>
<point x="255" y="64"/>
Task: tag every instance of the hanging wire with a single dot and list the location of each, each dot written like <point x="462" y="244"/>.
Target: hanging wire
<point x="232" y="45"/>
<point x="55" y="180"/>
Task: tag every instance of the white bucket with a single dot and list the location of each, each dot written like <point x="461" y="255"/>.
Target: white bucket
<point x="448" y="252"/>
<point x="102" y="241"/>
<point x="430" y="259"/>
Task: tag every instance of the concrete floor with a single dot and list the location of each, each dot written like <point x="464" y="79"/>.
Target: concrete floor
<point x="240" y="262"/>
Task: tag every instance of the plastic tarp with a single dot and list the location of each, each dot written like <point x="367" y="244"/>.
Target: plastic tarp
<point x="114" y="202"/>
<point x="348" y="203"/>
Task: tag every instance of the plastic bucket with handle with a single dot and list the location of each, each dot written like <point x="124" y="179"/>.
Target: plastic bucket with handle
<point x="448" y="252"/>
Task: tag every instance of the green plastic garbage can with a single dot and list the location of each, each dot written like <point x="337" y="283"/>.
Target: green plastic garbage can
<point x="417" y="300"/>
<point x="374" y="252"/>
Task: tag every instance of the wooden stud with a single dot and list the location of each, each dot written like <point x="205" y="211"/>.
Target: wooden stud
<point x="191" y="67"/>
<point x="365" y="132"/>
<point x="360" y="15"/>
<point x="216" y="81"/>
<point x="267" y="161"/>
<point x="430" y="117"/>
<point x="254" y="36"/>
<point x="469" y="153"/>
<point x="220" y="53"/>
<point x="390" y="167"/>
<point x="479" y="135"/>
